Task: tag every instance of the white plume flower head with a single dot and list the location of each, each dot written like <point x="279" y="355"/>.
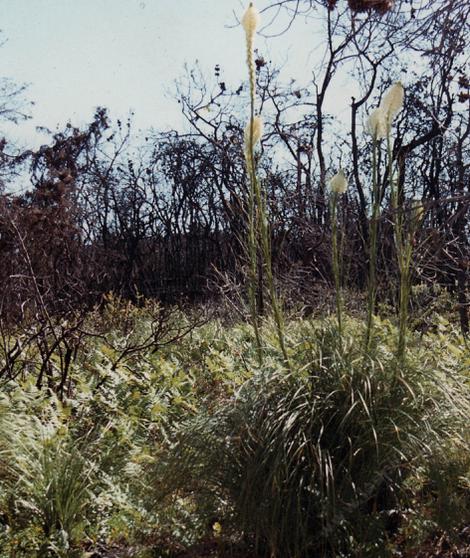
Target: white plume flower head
<point x="418" y="211"/>
<point x="378" y="123"/>
<point x="250" y="21"/>
<point x="392" y="101"/>
<point x="339" y="183"/>
<point x="257" y="132"/>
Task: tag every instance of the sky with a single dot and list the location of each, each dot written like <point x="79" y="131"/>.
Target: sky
<point x="125" y="55"/>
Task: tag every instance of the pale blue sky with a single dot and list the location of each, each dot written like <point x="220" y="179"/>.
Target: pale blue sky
<point x="125" y="54"/>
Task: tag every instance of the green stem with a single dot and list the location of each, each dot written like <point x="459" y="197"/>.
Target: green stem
<point x="403" y="314"/>
<point x="373" y="226"/>
<point x="252" y="249"/>
<point x="258" y="229"/>
<point x="253" y="284"/>
<point x="404" y="249"/>
<point x="265" y="237"/>
<point x="335" y="262"/>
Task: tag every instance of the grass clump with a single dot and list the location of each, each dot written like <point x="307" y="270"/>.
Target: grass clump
<point x="317" y="462"/>
<point x="46" y="476"/>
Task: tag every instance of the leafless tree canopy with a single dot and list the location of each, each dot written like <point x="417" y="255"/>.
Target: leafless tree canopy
<point x="159" y="220"/>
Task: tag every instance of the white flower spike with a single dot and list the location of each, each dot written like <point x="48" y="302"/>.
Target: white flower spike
<point x="257" y="131"/>
<point x="392" y="101"/>
<point x="339" y="183"/>
<point x="250" y="21"/>
<point x="378" y="124"/>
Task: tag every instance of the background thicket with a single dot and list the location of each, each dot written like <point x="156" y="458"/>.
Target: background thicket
<point x="159" y="215"/>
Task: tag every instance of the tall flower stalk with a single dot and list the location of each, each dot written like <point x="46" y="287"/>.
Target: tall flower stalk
<point x="373" y="230"/>
<point x="253" y="132"/>
<point x="403" y="236"/>
<point x="380" y="123"/>
<point x="338" y="186"/>
<point x="258" y="228"/>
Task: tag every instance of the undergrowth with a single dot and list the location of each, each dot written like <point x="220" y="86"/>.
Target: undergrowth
<point x="343" y="456"/>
